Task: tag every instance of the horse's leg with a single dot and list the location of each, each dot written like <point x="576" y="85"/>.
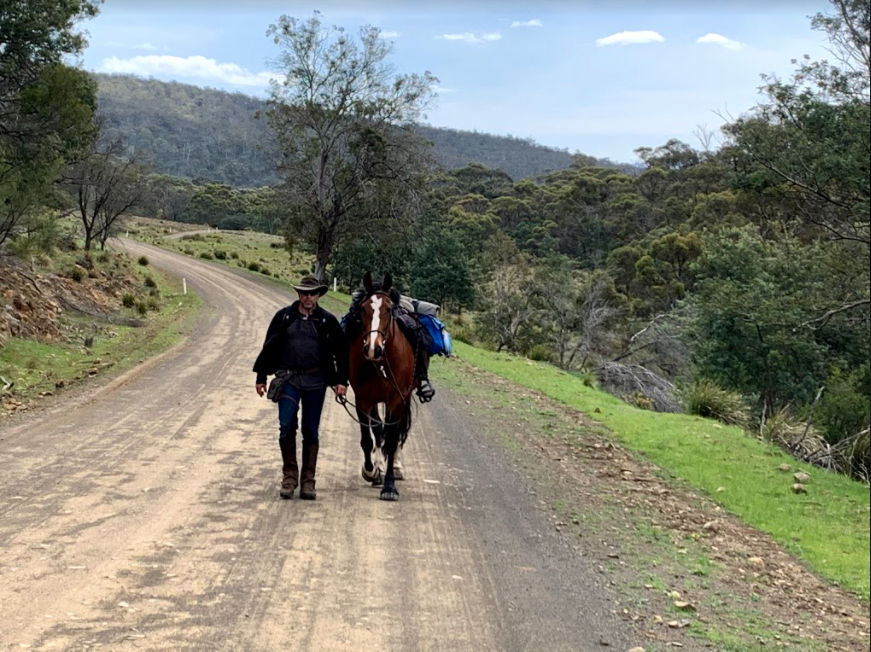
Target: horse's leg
<point x="390" y="447"/>
<point x="370" y="444"/>
<point x="397" y="464"/>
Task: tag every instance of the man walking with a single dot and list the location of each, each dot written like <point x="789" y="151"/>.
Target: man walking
<point x="306" y="350"/>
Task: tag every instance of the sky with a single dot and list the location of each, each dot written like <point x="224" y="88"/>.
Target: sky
<point x="598" y="77"/>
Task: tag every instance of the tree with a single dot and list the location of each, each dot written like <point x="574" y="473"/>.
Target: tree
<point x="46" y="107"/>
<point x="811" y="136"/>
<point x="106" y="184"/>
<point x="343" y="120"/>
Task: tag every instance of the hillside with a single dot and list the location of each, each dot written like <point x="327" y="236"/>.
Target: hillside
<point x="202" y="132"/>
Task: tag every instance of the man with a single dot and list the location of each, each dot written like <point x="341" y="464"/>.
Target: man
<point x="306" y="350"/>
<point x="353" y="326"/>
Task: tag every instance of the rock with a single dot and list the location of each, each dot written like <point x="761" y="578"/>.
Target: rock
<point x="711" y="526"/>
<point x="721" y="489"/>
<point x="636" y="649"/>
<point x="684" y="606"/>
<point x="784" y="468"/>
<point x="799" y="488"/>
<point x="756" y="561"/>
<point x="801" y="477"/>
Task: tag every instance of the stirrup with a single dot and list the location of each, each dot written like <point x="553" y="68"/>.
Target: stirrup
<point x="425" y="391"/>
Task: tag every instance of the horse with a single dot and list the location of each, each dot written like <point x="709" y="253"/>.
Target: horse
<point x="382" y="371"/>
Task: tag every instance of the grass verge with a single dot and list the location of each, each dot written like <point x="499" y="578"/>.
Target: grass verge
<point x="828" y="527"/>
<point x="40" y="368"/>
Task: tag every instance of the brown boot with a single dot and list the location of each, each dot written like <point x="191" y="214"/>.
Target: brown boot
<point x="309" y="464"/>
<point x="290" y="469"/>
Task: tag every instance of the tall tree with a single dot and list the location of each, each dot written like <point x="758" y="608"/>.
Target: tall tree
<point x="343" y="119"/>
<point x="46" y="106"/>
<point x="106" y="183"/>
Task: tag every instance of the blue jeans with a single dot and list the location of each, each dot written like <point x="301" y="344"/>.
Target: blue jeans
<point x="312" y="403"/>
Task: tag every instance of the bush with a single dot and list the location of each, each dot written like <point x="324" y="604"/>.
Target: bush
<point x="276" y="245"/>
<point x="189" y="251"/>
<point x="540" y="353"/>
<point x="706" y="399"/>
<point x="150" y="282"/>
<point x="142" y="307"/>
<point x="265" y="270"/>
<point x="143" y="260"/>
<point x="104" y="258"/>
<point x="220" y="254"/>
<point x="153" y="304"/>
<point x="206" y="255"/>
<point x="234" y="255"/>
<point x="128" y="300"/>
<point x="254" y="266"/>
<point x="77" y="274"/>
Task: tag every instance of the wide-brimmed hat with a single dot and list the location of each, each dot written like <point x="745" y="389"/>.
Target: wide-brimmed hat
<point x="311" y="284"/>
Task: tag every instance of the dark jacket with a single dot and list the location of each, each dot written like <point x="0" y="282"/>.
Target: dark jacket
<point x="333" y="344"/>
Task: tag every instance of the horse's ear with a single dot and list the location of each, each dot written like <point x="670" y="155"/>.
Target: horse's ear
<point x="387" y="283"/>
<point x="367" y="282"/>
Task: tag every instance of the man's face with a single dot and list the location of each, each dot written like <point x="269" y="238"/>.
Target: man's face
<point x="308" y="300"/>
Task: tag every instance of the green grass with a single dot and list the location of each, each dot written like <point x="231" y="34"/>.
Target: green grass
<point x="36" y="367"/>
<point x="828" y="527"/>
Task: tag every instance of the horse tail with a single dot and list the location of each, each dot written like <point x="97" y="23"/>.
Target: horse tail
<point x="405" y="424"/>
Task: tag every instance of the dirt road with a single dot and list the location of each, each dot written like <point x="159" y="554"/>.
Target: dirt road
<point x="146" y="517"/>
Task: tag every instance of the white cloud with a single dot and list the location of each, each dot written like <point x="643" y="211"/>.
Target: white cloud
<point x="627" y="38"/>
<point x="389" y="34"/>
<point x="719" y="39"/>
<point x="195" y="67"/>
<point x="535" y="22"/>
<point x="442" y="89"/>
<point x="144" y="46"/>
<point x="469" y="37"/>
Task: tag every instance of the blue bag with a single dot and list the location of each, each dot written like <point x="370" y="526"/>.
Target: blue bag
<point x="438" y="335"/>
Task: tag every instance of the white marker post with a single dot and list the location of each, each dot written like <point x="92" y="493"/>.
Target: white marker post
<point x="335" y="280"/>
<point x="184" y="285"/>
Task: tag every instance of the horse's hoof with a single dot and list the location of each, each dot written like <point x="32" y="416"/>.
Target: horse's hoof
<point x="374" y="476"/>
<point x="389" y="494"/>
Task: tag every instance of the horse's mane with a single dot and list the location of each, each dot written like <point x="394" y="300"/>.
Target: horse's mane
<point x="360" y="294"/>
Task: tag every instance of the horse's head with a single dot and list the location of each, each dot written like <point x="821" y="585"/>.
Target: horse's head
<point x="376" y="313"/>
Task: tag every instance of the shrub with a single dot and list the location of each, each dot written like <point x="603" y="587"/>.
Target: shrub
<point x="77" y="274"/>
<point x="141" y="307"/>
<point x="206" y="255"/>
<point x="128" y="300"/>
<point x="150" y="282"/>
<point x="143" y="260"/>
<point x="189" y="251"/>
<point x="220" y="254"/>
<point x="540" y="353"/>
<point x="706" y="399"/>
<point x="153" y="304"/>
<point x="254" y="266"/>
<point x="276" y="245"/>
<point x="234" y="255"/>
<point x="265" y="270"/>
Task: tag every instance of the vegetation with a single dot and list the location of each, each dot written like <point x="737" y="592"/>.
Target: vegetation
<point x="205" y="134"/>
<point x="827" y="528"/>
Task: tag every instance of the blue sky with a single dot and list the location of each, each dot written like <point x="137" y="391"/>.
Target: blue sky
<point x="597" y="77"/>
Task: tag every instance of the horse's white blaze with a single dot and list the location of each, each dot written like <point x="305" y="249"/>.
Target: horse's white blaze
<point x="376" y="325"/>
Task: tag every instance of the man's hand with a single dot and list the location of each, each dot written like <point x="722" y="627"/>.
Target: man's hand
<point x="340" y="390"/>
<point x="261" y="389"/>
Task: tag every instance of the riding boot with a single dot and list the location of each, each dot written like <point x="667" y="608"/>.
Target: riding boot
<point x="290" y="469"/>
<point x="309" y="464"/>
<point x="425" y="390"/>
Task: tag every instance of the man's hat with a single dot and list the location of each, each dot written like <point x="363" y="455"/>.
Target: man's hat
<point x="311" y="284"/>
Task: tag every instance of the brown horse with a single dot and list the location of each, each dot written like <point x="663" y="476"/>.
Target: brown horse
<point x="382" y="371"/>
